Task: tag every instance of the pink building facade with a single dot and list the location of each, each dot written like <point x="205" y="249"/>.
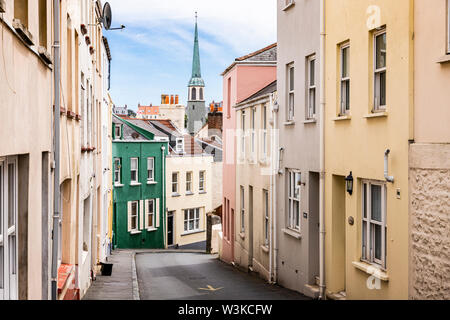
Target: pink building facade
<point x="246" y="76"/>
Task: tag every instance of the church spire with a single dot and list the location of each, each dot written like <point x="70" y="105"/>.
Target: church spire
<point x="196" y="79"/>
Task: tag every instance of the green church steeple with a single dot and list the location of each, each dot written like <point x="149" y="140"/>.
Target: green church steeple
<point x="196" y="79"/>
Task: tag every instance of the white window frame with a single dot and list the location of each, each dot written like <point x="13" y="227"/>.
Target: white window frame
<point x="253" y="131"/>
<point x="242" y="195"/>
<point x="137" y="170"/>
<point x="377" y="73"/>
<point x="264" y="133"/>
<point x="189" y="175"/>
<point x="180" y="145"/>
<point x="202" y="181"/>
<point x="294" y="196"/>
<point x="150" y="169"/>
<point x="117" y="170"/>
<point x="243" y="134"/>
<point x="266" y="230"/>
<point x="311" y="105"/>
<point x="290" y="110"/>
<point x="135" y="216"/>
<point x="175" y="183"/>
<point x="117" y="135"/>
<point x="148" y="213"/>
<point x="345" y="80"/>
<point x="368" y="254"/>
<point x="188" y="219"/>
<point x="9" y="271"/>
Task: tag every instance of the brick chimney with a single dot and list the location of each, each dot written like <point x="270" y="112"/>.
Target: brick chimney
<point x="215" y="120"/>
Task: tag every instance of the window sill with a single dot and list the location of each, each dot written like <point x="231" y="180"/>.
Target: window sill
<point x="290" y="5"/>
<point x="152" y="182"/>
<point x="135" y="232"/>
<point x="135" y="184"/>
<point x="265" y="249"/>
<point x="292" y="233"/>
<point x="176" y="195"/>
<point x="242" y="235"/>
<point x="152" y="229"/>
<point x="380" y="114"/>
<point x="371" y="270"/>
<point x="264" y="161"/>
<point x="24" y="33"/>
<point x="444" y="59"/>
<point x="189" y="193"/>
<point x="309" y="121"/>
<point x="342" y="118"/>
<point x="187" y="233"/>
<point x="289" y="123"/>
<point x="118" y="185"/>
<point x="202" y="192"/>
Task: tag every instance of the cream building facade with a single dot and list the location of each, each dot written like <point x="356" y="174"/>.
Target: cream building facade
<point x="368" y="129"/>
<point x="253" y="182"/>
<point x="25" y="149"/>
<point x="429" y="154"/>
<point x="189" y="192"/>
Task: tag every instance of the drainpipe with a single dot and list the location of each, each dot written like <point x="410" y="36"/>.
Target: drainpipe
<point x="56" y="190"/>
<point x="322" y="294"/>
<point x="274" y="203"/>
<point x="163" y="197"/>
<point x="271" y="278"/>
<point x="386" y="167"/>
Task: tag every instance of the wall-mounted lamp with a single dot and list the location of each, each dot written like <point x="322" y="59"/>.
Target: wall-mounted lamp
<point x="349" y="183"/>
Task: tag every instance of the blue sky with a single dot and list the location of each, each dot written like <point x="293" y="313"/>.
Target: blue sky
<point x="153" y="55"/>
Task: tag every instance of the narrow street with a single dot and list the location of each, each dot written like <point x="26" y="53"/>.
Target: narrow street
<point x="200" y="276"/>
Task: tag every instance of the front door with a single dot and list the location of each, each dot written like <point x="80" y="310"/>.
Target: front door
<point x="170" y="229"/>
<point x="8" y="228"/>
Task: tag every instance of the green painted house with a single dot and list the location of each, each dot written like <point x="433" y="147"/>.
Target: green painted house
<point x="138" y="154"/>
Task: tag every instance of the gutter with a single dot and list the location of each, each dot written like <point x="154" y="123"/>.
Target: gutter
<point x="56" y="154"/>
<point x="322" y="287"/>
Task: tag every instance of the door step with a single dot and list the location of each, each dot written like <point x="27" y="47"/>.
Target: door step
<point x="312" y="291"/>
<point x="338" y="296"/>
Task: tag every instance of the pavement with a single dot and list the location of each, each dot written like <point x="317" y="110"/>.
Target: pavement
<point x="118" y="286"/>
<point x="199" y="276"/>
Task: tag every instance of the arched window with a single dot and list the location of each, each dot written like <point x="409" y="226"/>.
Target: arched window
<point x="194" y="94"/>
<point x="201" y="94"/>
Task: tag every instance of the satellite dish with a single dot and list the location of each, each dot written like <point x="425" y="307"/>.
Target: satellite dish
<point x="107" y="16"/>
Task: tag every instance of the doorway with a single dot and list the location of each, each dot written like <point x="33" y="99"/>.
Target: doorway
<point x="338" y="234"/>
<point x="250" y="226"/>
<point x="170" y="228"/>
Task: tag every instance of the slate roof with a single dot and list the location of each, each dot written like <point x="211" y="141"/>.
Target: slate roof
<point x="267" y="54"/>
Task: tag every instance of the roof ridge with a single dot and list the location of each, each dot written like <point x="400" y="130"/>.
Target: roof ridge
<point x="273" y="45"/>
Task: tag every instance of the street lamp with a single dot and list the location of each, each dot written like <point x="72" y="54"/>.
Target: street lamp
<point x="349" y="183"/>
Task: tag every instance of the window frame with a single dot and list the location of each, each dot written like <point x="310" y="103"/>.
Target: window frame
<point x="448" y="27"/>
<point x="179" y="147"/>
<point x="253" y="131"/>
<point x="378" y="72"/>
<point x="344" y="106"/>
<point x="118" y="170"/>
<point x="195" y="220"/>
<point x="152" y="169"/>
<point x="189" y="174"/>
<point x="242" y="198"/>
<point x="136" y="216"/>
<point x="264" y="132"/>
<point x="119" y="135"/>
<point x="149" y="213"/>
<point x="175" y="183"/>
<point x="290" y="110"/>
<point x="201" y="180"/>
<point x="266" y="230"/>
<point x="368" y="254"/>
<point x="311" y="111"/>
<point x="293" y="219"/>
<point x="243" y="133"/>
<point x="131" y="170"/>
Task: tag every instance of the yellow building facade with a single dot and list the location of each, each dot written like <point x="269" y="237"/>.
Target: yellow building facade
<point x="368" y="126"/>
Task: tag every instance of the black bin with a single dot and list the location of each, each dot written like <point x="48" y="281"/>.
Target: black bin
<point x="106" y="268"/>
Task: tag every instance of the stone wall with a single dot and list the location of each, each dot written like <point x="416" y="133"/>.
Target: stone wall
<point x="430" y="224"/>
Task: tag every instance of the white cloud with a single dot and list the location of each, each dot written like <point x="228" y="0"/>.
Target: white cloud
<point x="241" y="25"/>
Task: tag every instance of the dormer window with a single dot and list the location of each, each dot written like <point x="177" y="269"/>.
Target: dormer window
<point x="117" y="131"/>
<point x="180" y="145"/>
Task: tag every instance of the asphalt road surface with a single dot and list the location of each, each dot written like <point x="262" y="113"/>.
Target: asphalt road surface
<point x="190" y="276"/>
